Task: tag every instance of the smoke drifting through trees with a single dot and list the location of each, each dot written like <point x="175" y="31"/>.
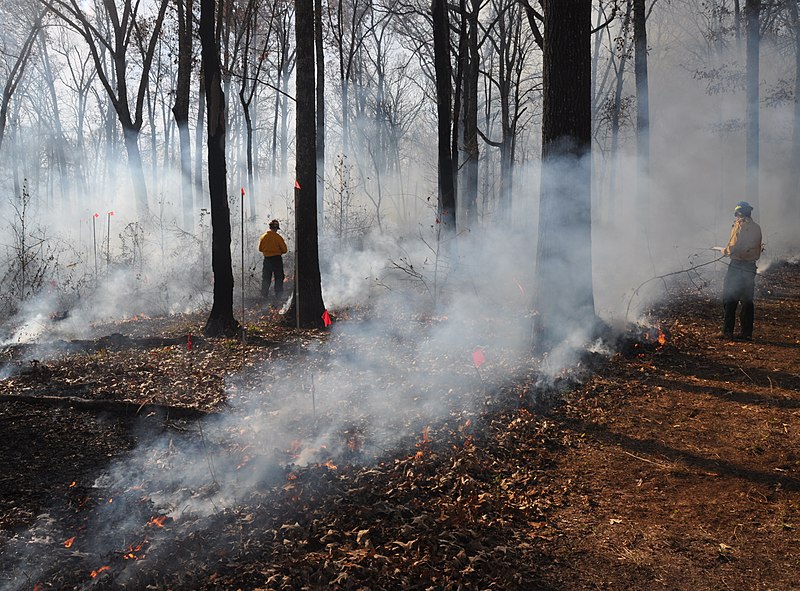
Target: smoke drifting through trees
<point x="381" y="166"/>
<point x="430" y="308"/>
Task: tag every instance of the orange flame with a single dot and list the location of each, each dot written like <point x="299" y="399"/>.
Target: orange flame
<point x="132" y="550"/>
<point x="157" y="521"/>
<point x="99" y="571"/>
<point x="68" y="543"/>
<point x="662" y="339"/>
<point x="353" y="444"/>
<point x="329" y="464"/>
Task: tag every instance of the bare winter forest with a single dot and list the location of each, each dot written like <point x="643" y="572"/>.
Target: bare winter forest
<point x="501" y="219"/>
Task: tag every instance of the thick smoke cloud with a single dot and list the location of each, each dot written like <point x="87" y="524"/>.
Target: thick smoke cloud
<point x="418" y="309"/>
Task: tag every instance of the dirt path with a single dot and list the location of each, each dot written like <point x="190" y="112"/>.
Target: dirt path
<point x="682" y="467"/>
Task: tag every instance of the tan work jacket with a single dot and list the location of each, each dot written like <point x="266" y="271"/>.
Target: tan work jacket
<point x="745" y="241"/>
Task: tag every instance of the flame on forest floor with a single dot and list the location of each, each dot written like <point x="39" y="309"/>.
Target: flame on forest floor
<point x="96" y="573"/>
<point x="132" y="552"/>
<point x="68" y="543"/>
<point x="157" y="521"/>
<point x="423" y="443"/>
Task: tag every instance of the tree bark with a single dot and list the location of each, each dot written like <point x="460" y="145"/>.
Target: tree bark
<point x="320" y="54"/>
<point x="642" y="108"/>
<point x="469" y="189"/>
<point x="443" y="70"/>
<point x="307" y="305"/>
<point x="198" y="144"/>
<point x="564" y="299"/>
<point x="220" y="321"/>
<point x="794" y="188"/>
<point x="752" y="12"/>
<point x="180" y="110"/>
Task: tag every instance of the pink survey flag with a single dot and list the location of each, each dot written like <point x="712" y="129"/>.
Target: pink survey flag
<point x="478" y="358"/>
<point x="296" y="184"/>
<point x="326" y="319"/>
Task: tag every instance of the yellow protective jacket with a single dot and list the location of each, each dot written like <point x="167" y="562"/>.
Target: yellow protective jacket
<point x="271" y="244"/>
<point x="745" y="241"/>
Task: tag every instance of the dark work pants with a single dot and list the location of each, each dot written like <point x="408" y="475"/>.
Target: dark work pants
<point x="739" y="286"/>
<point x="272" y="267"/>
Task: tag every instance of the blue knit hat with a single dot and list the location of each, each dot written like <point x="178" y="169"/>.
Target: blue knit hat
<point x="743" y="208"/>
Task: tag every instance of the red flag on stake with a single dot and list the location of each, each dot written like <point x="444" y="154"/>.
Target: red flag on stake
<point x="97" y="215"/>
<point x="242" y="191"/>
<point x="296" y="184"/>
<point x="478" y="358"/>
<point x="326" y="319"/>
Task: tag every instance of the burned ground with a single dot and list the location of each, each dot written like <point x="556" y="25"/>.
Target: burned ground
<point x="673" y="466"/>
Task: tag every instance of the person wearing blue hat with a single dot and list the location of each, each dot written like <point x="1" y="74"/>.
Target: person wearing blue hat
<point x="744" y="249"/>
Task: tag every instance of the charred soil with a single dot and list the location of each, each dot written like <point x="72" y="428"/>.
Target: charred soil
<point x="673" y="466"/>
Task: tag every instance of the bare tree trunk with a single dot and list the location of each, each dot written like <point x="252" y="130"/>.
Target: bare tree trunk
<point x="59" y="139"/>
<point x="180" y="110"/>
<point x="220" y="320"/>
<point x="131" y="136"/>
<point x="15" y="75"/>
<point x="469" y="190"/>
<point x="443" y="68"/>
<point x="564" y="298"/>
<point x="752" y="12"/>
<point x="616" y="110"/>
<point x="320" y="54"/>
<point x="307" y="305"/>
<point x="642" y="108"/>
<point x="794" y="189"/>
<point x="198" y="143"/>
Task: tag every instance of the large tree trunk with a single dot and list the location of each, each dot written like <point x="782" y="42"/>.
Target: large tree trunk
<point x="136" y="168"/>
<point x="198" y="143"/>
<point x="642" y="108"/>
<point x="318" y="38"/>
<point x="181" y="108"/>
<point x="752" y="11"/>
<point x="794" y="188"/>
<point x="616" y="112"/>
<point x="443" y="68"/>
<point x="220" y="321"/>
<point x="564" y="298"/>
<point x="469" y="189"/>
<point x="307" y="305"/>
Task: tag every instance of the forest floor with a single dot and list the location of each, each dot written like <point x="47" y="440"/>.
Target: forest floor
<point x="673" y="466"/>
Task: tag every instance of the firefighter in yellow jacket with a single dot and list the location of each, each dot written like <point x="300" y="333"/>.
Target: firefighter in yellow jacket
<point x="744" y="249"/>
<point x="273" y="247"/>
